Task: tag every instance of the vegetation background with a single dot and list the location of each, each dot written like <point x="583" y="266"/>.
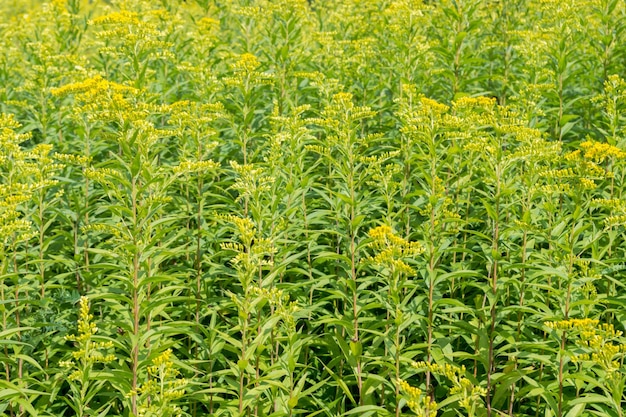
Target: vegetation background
<point x="324" y="208"/>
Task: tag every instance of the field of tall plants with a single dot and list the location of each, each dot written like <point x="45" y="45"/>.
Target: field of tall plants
<point x="313" y="208"/>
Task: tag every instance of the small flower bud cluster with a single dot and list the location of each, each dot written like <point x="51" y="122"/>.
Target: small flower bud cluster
<point x="162" y="388"/>
<point x="196" y="167"/>
<point x="572" y="324"/>
<point x="88" y="352"/>
<point x="280" y="301"/>
<point x="601" y="350"/>
<point x="247" y="74"/>
<point x="470" y="394"/>
<point x="420" y="403"/>
<point x="251" y="182"/>
<point x="392" y="249"/>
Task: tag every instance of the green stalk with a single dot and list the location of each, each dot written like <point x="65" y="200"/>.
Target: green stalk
<point x="494" y="291"/>
<point x="135" y="306"/>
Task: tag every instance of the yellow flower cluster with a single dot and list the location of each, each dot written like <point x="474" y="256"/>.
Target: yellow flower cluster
<point x="23" y="174"/>
<point x="232" y="246"/>
<point x="9" y="139"/>
<point x="601" y="351"/>
<point x="86" y="328"/>
<point x="615" y="220"/>
<point x="123" y="17"/>
<point x="273" y="295"/>
<point x="572" y="324"/>
<point x="318" y="149"/>
<point x="382" y="174"/>
<point x="391" y="249"/>
<point x="481" y="102"/>
<point x="162" y="365"/>
<point x="91" y="88"/>
<point x="430" y="107"/>
<point x="254" y="251"/>
<point x="155" y="200"/>
<point x="559" y="173"/>
<point x="101" y="228"/>
<point x="208" y="25"/>
<point x="610" y="203"/>
<point x="263" y="246"/>
<point x="251" y="182"/>
<point x="282" y="7"/>
<point x="88" y="352"/>
<point x="196" y="167"/>
<point x="384" y="237"/>
<point x="587" y="183"/>
<point x="584" y="169"/>
<point x="412" y="7"/>
<point x="162" y="388"/>
<point x="615" y="86"/>
<point x="79" y="160"/>
<point x="418" y="402"/>
<point x="253" y="12"/>
<point x="469" y="393"/>
<point x="103" y="175"/>
<point x="247" y="63"/>
<point x="534" y="146"/>
<point x="245" y="227"/>
<point x="135" y="33"/>
<point x="246" y="73"/>
<point x="342" y="111"/>
<point x="481" y="145"/>
<point x="185" y="114"/>
<point x="599" y="152"/>
<point x="12" y="200"/>
<point x="572" y="156"/>
<point x="449" y="371"/>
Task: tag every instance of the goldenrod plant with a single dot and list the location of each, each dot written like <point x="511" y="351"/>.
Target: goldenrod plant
<point x="162" y="389"/>
<point x="312" y="208"/>
<point x="82" y="369"/>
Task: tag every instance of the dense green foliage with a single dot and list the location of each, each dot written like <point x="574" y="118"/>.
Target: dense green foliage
<point x="326" y="207"/>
